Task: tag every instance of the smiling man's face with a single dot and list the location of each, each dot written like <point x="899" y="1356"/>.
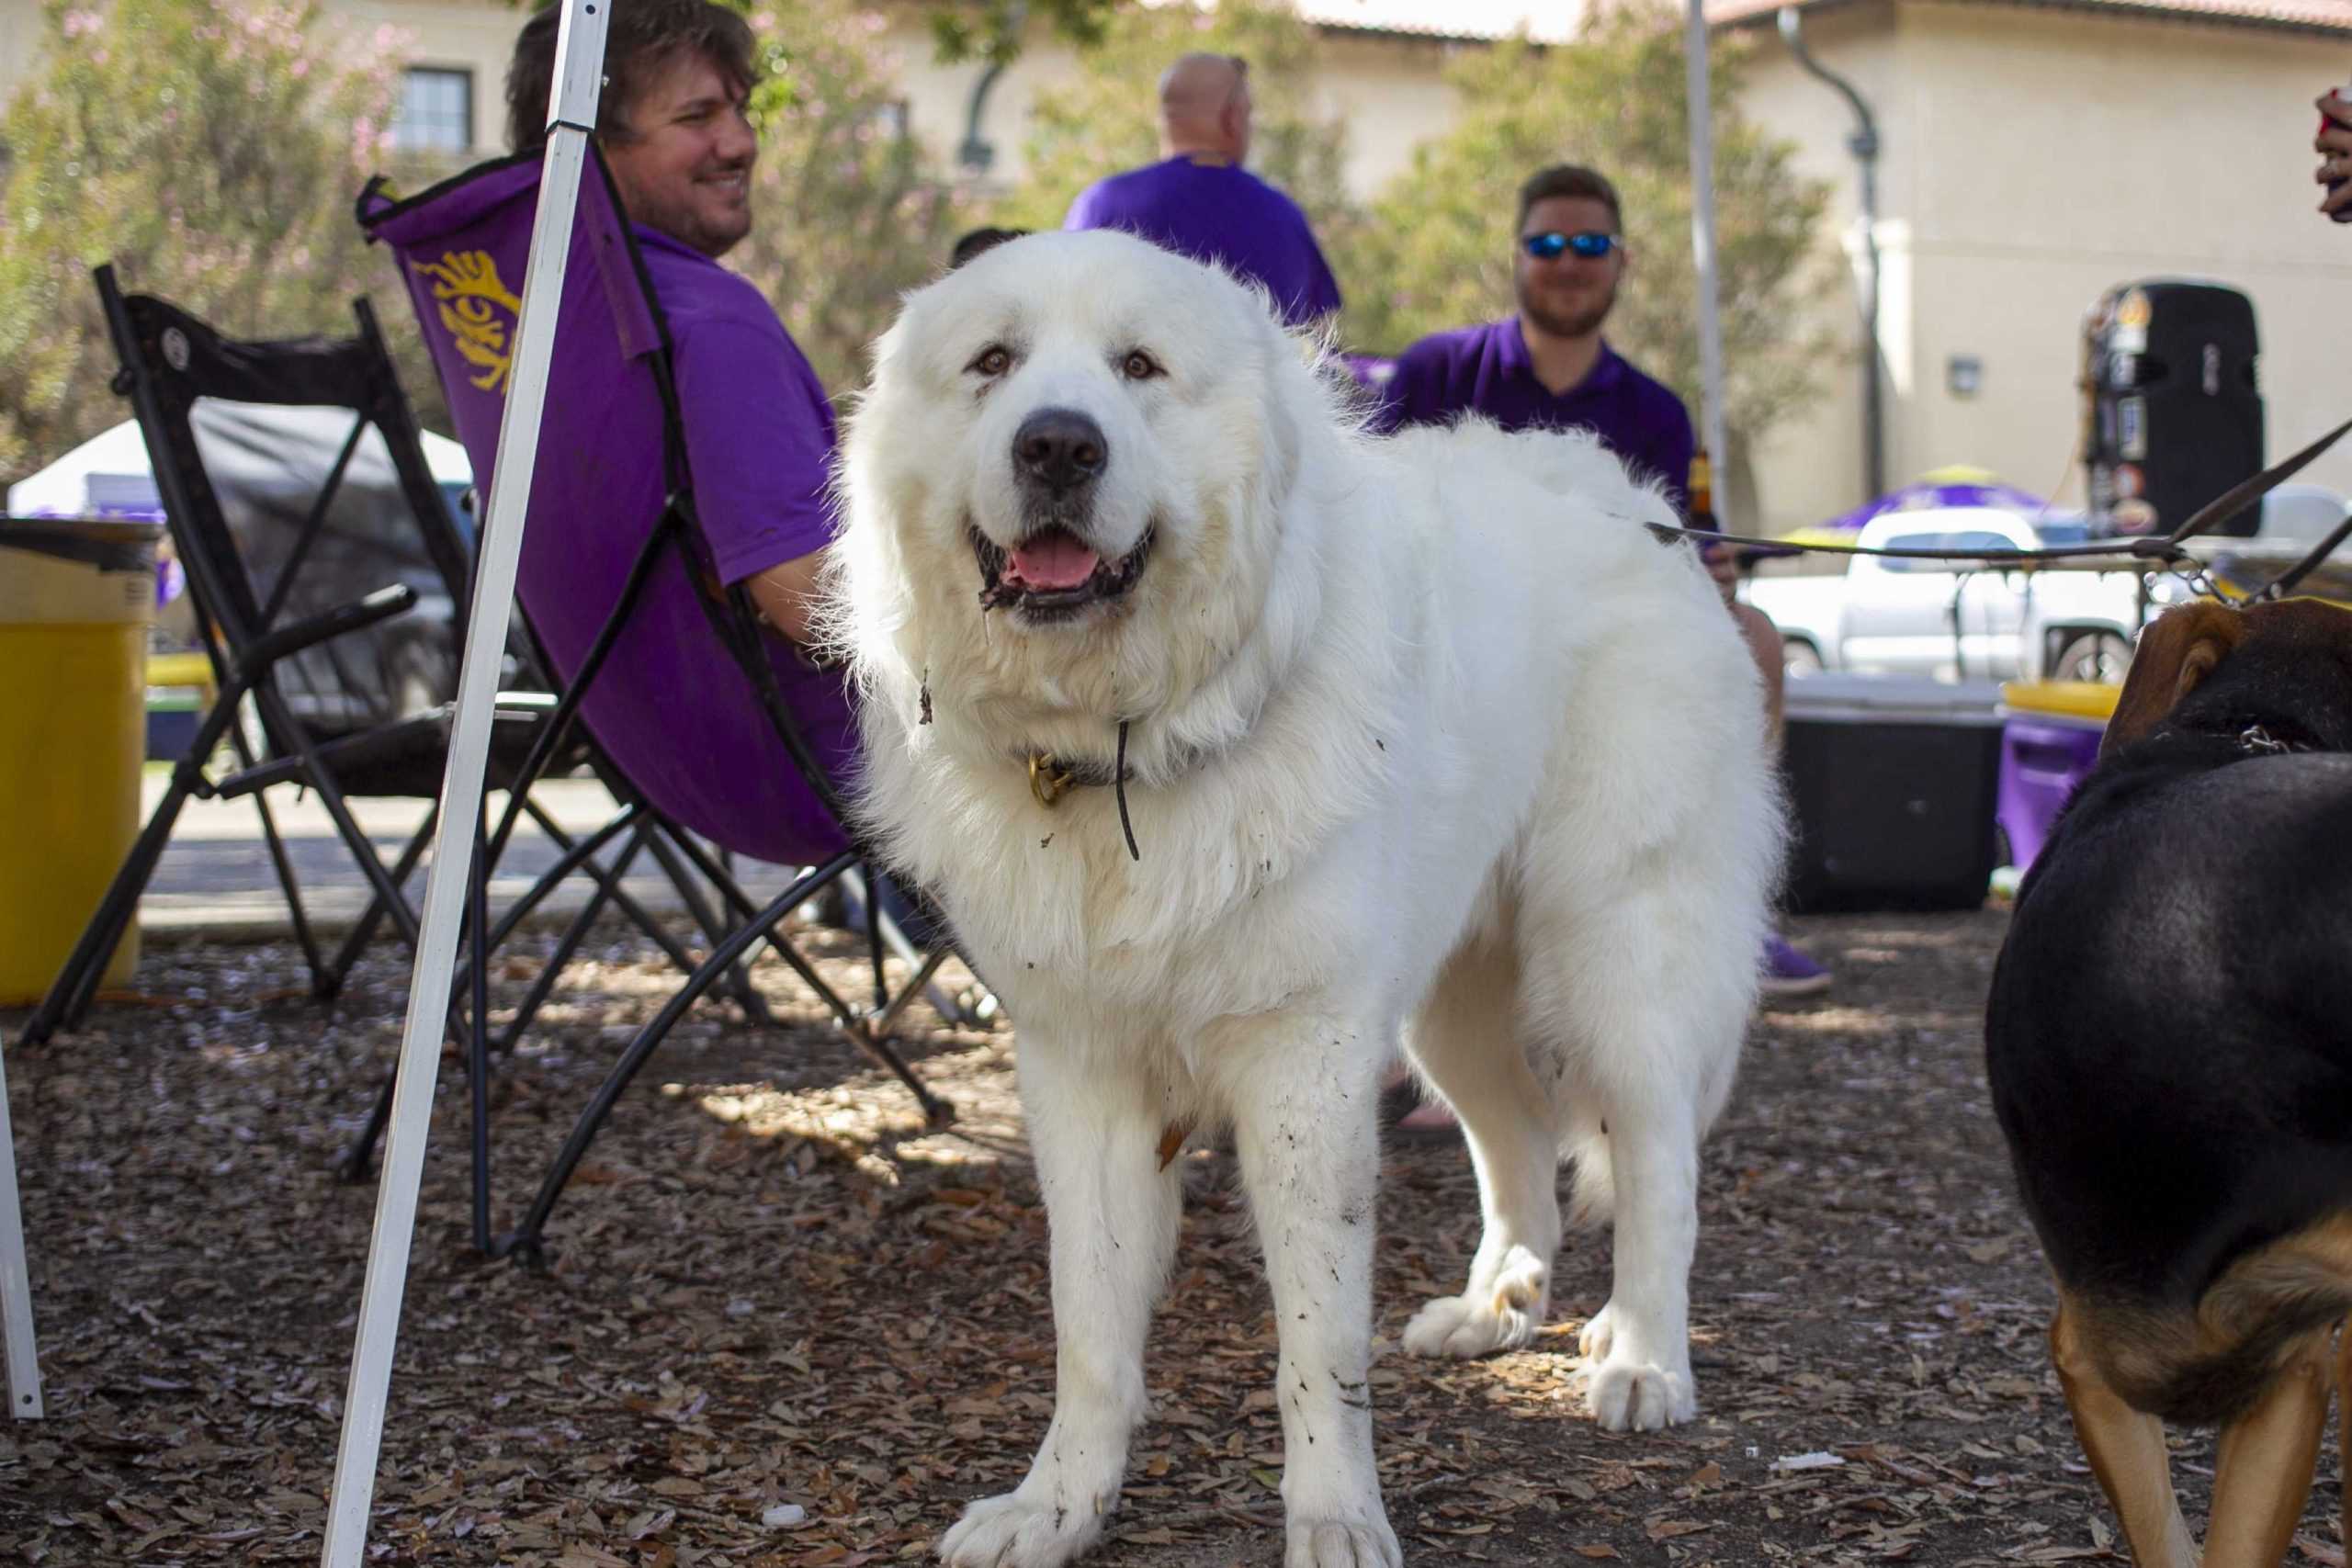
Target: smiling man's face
<point x="685" y="168"/>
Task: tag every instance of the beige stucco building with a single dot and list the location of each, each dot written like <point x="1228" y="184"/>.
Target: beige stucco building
<point x="2031" y="155"/>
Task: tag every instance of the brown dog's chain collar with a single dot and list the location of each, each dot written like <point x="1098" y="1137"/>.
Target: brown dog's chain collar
<point x="2254" y="737"/>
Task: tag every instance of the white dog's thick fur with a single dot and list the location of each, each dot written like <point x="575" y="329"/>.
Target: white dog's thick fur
<point x="1428" y="738"/>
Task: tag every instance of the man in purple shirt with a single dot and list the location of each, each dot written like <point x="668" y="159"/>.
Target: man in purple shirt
<point x="758" y="433"/>
<point x="1200" y="202"/>
<point x="1548" y="367"/>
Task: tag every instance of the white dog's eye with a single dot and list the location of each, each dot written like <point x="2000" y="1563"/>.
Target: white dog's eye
<point x="994" y="360"/>
<point x="1139" y="366"/>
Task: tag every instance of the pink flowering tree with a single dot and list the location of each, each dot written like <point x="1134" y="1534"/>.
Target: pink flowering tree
<point x="210" y="149"/>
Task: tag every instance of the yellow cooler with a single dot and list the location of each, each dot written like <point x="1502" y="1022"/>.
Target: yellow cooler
<point x="76" y="597"/>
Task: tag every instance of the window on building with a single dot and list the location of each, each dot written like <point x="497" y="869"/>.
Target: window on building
<point x="437" y="110"/>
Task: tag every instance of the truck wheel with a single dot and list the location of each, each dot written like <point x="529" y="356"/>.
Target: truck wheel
<point x="1799" y="659"/>
<point x="2101" y="657"/>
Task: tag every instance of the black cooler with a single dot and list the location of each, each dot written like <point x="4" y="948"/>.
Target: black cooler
<point x="1893" y="782"/>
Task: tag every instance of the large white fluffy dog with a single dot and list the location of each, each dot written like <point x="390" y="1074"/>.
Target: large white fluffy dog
<point x="1426" y="736"/>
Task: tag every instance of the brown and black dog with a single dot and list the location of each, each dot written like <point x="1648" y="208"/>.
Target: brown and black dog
<point x="2169" y="1044"/>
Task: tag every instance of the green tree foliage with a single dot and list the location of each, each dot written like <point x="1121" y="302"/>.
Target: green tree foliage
<point x="994" y="29"/>
<point x="1437" y="250"/>
<point x="845" y="214"/>
<point x="210" y="149"/>
<point x="1107" y="120"/>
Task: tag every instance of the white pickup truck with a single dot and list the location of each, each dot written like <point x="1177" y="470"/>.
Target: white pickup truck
<point x="1949" y="620"/>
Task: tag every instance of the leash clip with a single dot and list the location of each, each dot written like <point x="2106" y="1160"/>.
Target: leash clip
<point x="2256" y="739"/>
<point x="1047" y="782"/>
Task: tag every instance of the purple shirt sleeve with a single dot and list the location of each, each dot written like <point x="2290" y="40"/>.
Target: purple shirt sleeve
<point x="1081" y="213"/>
<point x="1322" y="296"/>
<point x="759" y="441"/>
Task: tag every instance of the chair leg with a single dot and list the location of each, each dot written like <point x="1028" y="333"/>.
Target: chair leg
<point x="2126" y="1448"/>
<point x="609" y="880"/>
<point x="69" y="994"/>
<point x="527" y="1243"/>
<point x="2262" y="1472"/>
<point x="477" y="952"/>
<point x="737" y="982"/>
<point x="363" y="930"/>
<point x="323" y="985"/>
<point x="574" y="935"/>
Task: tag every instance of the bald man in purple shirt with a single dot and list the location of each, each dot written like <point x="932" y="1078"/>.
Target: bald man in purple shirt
<point x="1200" y="202"/>
<point x="1548" y="367"/>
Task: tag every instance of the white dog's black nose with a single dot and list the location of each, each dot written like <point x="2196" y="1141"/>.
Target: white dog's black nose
<point x="1059" y="449"/>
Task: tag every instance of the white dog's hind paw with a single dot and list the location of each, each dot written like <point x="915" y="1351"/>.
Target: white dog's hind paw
<point x="1626" y="1395"/>
<point x="1474" y="1323"/>
<point x="1330" y="1543"/>
<point x="1012" y="1533"/>
<point x="1459" y="1327"/>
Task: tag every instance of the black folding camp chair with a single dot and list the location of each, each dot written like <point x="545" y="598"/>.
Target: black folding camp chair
<point x="332" y="714"/>
<point x="612" y="517"/>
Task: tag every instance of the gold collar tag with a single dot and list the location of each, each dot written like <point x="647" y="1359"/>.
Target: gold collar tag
<point x="1047" y="780"/>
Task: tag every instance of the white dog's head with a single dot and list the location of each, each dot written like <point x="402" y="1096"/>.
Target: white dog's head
<point x="1064" y="487"/>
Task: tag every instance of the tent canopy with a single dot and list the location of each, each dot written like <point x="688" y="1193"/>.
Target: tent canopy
<point x="108" y="475"/>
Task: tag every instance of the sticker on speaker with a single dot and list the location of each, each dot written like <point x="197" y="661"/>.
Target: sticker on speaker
<point x="2132" y="429"/>
<point x="2131" y="316"/>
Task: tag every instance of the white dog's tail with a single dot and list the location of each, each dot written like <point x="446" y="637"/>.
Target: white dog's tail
<point x="1592" y="1198"/>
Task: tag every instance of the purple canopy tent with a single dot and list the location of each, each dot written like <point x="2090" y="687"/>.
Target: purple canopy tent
<point x="1936" y="489"/>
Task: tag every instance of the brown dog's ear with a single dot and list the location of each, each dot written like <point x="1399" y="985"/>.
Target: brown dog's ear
<point x="2176" y="653"/>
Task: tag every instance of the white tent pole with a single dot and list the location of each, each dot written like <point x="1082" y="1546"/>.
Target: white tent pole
<point x="15" y="1280"/>
<point x="571" y="115"/>
<point x="1703" y="247"/>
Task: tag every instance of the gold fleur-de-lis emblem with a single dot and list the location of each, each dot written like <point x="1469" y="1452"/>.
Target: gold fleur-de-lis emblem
<point x="472" y="296"/>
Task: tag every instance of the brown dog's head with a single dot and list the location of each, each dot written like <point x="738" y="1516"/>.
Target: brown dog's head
<point x="2298" y="667"/>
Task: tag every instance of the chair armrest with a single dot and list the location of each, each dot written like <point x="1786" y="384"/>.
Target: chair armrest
<point x="266" y="651"/>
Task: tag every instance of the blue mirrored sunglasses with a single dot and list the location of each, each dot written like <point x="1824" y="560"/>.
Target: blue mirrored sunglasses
<point x="1592" y="244"/>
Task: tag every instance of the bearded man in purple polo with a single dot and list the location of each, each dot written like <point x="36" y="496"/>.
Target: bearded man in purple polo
<point x="1200" y="202"/>
<point x="758" y="427"/>
<point x="1548" y="367"/>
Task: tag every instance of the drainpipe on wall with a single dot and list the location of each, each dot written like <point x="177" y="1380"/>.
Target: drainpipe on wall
<point x="977" y="153"/>
<point x="1863" y="144"/>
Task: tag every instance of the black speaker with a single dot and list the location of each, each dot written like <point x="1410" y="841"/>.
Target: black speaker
<point x="2173" y="409"/>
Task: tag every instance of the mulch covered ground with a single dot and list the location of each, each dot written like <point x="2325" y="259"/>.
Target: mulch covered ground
<point x="782" y="1325"/>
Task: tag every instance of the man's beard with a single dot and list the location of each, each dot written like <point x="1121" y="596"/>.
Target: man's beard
<point x="1562" y="324"/>
<point x="691" y="225"/>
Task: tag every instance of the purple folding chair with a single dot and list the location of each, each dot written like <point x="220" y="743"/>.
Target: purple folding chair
<point x="720" y="729"/>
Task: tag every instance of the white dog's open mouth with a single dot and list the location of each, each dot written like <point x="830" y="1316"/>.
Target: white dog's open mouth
<point x="1053" y="574"/>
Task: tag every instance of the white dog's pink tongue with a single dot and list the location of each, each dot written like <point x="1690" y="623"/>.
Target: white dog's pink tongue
<point x="1052" y="559"/>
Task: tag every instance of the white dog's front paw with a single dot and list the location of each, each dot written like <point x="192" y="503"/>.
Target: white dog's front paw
<point x="1334" y="1543"/>
<point x="1627" y="1394"/>
<point x="1010" y="1531"/>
